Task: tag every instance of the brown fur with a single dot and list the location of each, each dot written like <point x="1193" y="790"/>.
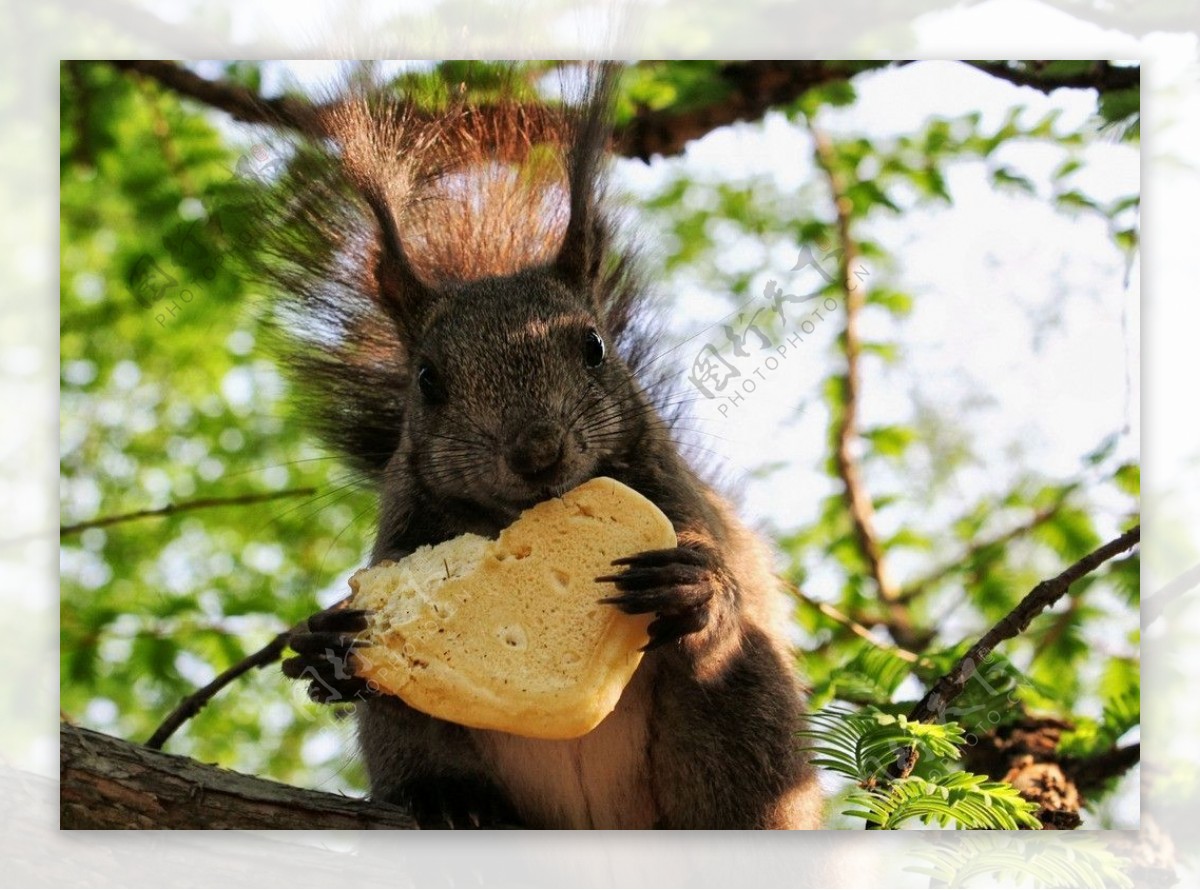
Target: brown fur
<point x="445" y="276"/>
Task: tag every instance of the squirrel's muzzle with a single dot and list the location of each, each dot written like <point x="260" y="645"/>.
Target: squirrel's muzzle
<point x="536" y="454"/>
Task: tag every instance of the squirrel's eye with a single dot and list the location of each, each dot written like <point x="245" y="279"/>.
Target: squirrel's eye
<point x="593" y="349"/>
<point x="430" y="384"/>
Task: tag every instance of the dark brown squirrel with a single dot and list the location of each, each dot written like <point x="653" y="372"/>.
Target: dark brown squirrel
<point x="469" y="332"/>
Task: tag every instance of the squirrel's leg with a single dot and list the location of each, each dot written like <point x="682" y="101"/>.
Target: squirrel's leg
<point x="701" y="779"/>
<point x="718" y="677"/>
<point x="425" y="765"/>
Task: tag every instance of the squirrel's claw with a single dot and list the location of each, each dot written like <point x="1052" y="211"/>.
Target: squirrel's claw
<point x="339" y="620"/>
<point x="677" y="584"/>
<point x="458" y="804"/>
<point x="323" y="658"/>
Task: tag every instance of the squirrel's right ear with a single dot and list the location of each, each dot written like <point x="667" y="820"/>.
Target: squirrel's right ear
<point x="402" y="293"/>
<point x="580" y="257"/>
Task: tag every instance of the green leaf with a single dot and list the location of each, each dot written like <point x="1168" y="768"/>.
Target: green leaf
<point x="1129" y="479"/>
<point x="1066" y="168"/>
<point x="890" y="441"/>
<point x="1075" y="200"/>
<point x="871" y="675"/>
<point x="896" y="302"/>
<point x="1006" y="177"/>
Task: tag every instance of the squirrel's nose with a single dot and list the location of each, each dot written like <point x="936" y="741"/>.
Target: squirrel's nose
<point x="537" y="450"/>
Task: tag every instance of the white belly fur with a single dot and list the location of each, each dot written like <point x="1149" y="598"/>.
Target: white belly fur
<point x="600" y="780"/>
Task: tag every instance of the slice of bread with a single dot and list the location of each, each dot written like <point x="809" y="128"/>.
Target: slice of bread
<point x="508" y="634"/>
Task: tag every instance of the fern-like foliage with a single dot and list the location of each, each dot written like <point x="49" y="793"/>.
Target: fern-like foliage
<point x="871" y="675"/>
<point x="861" y="745"/>
<point x="1075" y="860"/>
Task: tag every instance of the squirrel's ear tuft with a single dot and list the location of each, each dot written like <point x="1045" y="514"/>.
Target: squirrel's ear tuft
<point x="402" y="294"/>
<point x="580" y="258"/>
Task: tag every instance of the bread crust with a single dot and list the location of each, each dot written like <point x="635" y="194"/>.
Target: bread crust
<point x="508" y="634"/>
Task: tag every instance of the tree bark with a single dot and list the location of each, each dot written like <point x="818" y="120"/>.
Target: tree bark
<point x="110" y="783"/>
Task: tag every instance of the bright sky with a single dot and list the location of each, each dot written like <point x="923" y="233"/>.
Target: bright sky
<point x="989" y="274"/>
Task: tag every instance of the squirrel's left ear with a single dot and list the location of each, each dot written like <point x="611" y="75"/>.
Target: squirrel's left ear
<point x="401" y="292"/>
<point x="582" y="253"/>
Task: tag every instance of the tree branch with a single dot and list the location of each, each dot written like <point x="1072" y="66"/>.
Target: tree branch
<point x="920" y="586"/>
<point x="859" y="630"/>
<point x="1102" y="76"/>
<point x="1044" y="595"/>
<point x="751" y="89"/>
<point x="858" y="499"/>
<point x="183" y="507"/>
<point x="240" y="103"/>
<point x="191" y="705"/>
<point x="110" y="783"/>
<point x="1092" y="772"/>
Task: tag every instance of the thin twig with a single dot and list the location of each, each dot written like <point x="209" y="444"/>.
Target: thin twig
<point x="922" y="585"/>
<point x="858" y="499"/>
<point x="183" y="507"/>
<point x="1044" y="595"/>
<point x="191" y="705"/>
<point x="859" y="630"/>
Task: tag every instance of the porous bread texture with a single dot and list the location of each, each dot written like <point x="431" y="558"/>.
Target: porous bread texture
<point x="507" y="634"/>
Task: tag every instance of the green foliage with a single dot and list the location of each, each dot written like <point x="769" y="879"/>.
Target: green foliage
<point x="871" y="675"/>
<point x="862" y="746"/>
<point x="1083" y="860"/>
<point x="165" y="399"/>
<point x="680" y="86"/>
<point x="168" y="395"/>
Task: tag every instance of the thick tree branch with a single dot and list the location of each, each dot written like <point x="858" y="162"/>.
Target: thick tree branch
<point x="240" y="103"/>
<point x="110" y="783"/>
<point x="751" y="90"/>
<point x="1044" y="595"/>
<point x="1025" y="754"/>
<point x="184" y="507"/>
<point x="1102" y="76"/>
<point x="1091" y="773"/>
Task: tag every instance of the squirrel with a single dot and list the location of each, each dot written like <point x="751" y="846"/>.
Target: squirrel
<point x="453" y="295"/>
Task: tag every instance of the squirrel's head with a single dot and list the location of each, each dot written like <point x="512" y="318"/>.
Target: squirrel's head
<point x="516" y="393"/>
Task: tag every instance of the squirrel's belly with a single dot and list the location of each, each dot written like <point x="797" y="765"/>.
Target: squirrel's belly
<point x="600" y="780"/>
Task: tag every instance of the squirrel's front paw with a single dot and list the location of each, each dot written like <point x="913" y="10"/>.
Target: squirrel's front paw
<point x="677" y="584"/>
<point x="324" y="648"/>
